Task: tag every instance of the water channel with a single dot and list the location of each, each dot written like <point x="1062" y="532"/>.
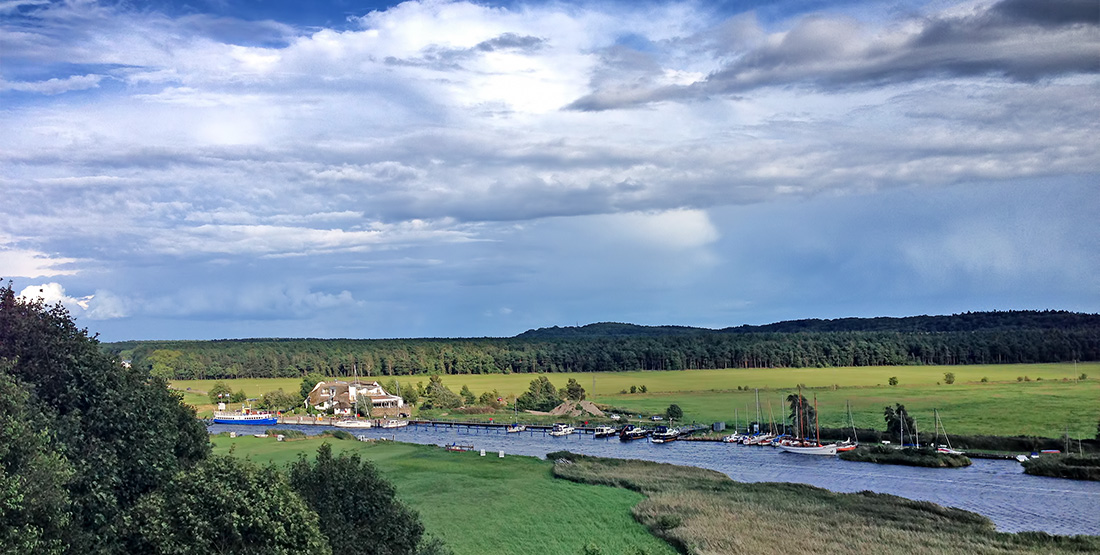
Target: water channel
<point x="998" y="489"/>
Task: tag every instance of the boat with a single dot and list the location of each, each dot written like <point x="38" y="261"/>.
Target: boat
<point x="604" y="431"/>
<point x="735" y="437"/>
<point x="354" y="423"/>
<point x="515" y="426"/>
<point x="631" y="432"/>
<point x="811" y="449"/>
<point x="945" y="447"/>
<point x="805" y="446"/>
<point x="664" y="434"/>
<point x="561" y="430"/>
<point x="457" y="447"/>
<point x="245" y="416"/>
<point x="846" y="445"/>
<point x="392" y="423"/>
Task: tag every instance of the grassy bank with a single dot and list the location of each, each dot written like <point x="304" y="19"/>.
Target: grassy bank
<point x="881" y="454"/>
<point x="1075" y="467"/>
<point x="1002" y="406"/>
<point x="480" y="505"/>
<point x="706" y="512"/>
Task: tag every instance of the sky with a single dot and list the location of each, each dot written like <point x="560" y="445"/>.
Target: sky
<point x="277" y="168"/>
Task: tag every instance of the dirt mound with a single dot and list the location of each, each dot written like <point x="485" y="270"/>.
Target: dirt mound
<point x="569" y="408"/>
<point x="565" y="409"/>
<point x="590" y="408"/>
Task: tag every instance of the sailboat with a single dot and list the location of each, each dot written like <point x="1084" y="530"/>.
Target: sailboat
<point x="849" y="444"/>
<point x="515" y="426"/>
<point x="808" y="447"/>
<point x="354" y="421"/>
<point x="946" y="448"/>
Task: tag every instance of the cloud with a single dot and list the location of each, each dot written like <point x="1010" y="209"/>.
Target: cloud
<point x="1018" y="40"/>
<point x="52" y="293"/>
<point x="54" y="85"/>
<point x="28" y="263"/>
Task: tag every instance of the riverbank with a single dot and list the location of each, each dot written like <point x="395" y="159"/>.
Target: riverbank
<point x="702" y="511"/>
<point x="924" y="457"/>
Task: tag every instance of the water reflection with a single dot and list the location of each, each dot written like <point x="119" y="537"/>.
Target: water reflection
<point x="999" y="490"/>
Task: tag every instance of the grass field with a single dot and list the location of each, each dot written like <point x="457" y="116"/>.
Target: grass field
<point x="1000" y="406"/>
<point x="487" y="505"/>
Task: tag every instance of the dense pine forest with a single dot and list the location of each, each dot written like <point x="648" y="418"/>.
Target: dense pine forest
<point x="971" y="338"/>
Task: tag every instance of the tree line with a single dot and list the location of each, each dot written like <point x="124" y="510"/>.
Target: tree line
<point x="623" y="347"/>
<point x="99" y="458"/>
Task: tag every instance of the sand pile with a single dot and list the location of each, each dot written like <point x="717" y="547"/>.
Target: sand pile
<point x="569" y="408"/>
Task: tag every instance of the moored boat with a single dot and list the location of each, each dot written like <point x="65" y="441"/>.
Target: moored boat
<point x="513" y="428"/>
<point x="809" y="448"/>
<point x="604" y="431"/>
<point x="631" y="432"/>
<point x="393" y="423"/>
<point x="561" y="430"/>
<point x="245" y="416"/>
<point x="664" y="434"/>
<point x="353" y="423"/>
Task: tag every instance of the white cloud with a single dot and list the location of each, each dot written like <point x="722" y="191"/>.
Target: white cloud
<point x="52" y="293"/>
<point x="31" y="264"/>
<point x="53" y="86"/>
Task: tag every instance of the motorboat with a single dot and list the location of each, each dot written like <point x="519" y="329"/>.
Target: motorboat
<point x="604" y="431"/>
<point x="561" y="430"/>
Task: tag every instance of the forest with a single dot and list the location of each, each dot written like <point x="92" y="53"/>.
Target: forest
<point x="970" y="338"/>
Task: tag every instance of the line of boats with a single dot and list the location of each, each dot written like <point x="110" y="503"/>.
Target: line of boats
<point x="629" y="432"/>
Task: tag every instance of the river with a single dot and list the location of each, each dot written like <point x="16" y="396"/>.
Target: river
<point x="998" y="489"/>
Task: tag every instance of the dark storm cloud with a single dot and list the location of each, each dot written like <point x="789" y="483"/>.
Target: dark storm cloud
<point x="1020" y="40"/>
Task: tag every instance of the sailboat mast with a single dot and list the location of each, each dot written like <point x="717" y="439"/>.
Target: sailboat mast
<point x="758" y="409"/>
<point x="817" y="427"/>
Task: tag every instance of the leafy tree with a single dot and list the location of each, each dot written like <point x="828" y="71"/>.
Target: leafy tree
<point x="309" y="382"/>
<point x="633" y="389"/>
<point x="279" y="400"/>
<point x="438" y="396"/>
<point x="674" y="412"/>
<point x="948" y="378"/>
<point x="238" y="396"/>
<point x="164" y="363"/>
<point x="803" y="415"/>
<point x="468" y="397"/>
<point x="540" y="395"/>
<point x="358" y="509"/>
<point x="122" y="432"/>
<point x="896" y="417"/>
<point x="893" y="380"/>
<point x="574" y="391"/>
<point x="411" y="395"/>
<point x="226" y="505"/>
<point x="489" y="399"/>
<point x="35" y="506"/>
<point x="220" y="392"/>
<point x="642" y="389"/>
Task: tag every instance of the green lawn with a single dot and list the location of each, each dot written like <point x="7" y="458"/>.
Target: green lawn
<point x="487" y="504"/>
<point x="1002" y="406"/>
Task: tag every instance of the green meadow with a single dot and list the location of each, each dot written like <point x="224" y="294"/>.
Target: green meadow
<point x="1020" y="399"/>
<point x="486" y="504"/>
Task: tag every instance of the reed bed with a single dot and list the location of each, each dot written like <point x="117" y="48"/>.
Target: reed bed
<point x="705" y="512"/>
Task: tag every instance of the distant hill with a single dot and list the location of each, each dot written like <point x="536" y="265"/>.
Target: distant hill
<point x="970" y="338"/>
<point x="968" y="321"/>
